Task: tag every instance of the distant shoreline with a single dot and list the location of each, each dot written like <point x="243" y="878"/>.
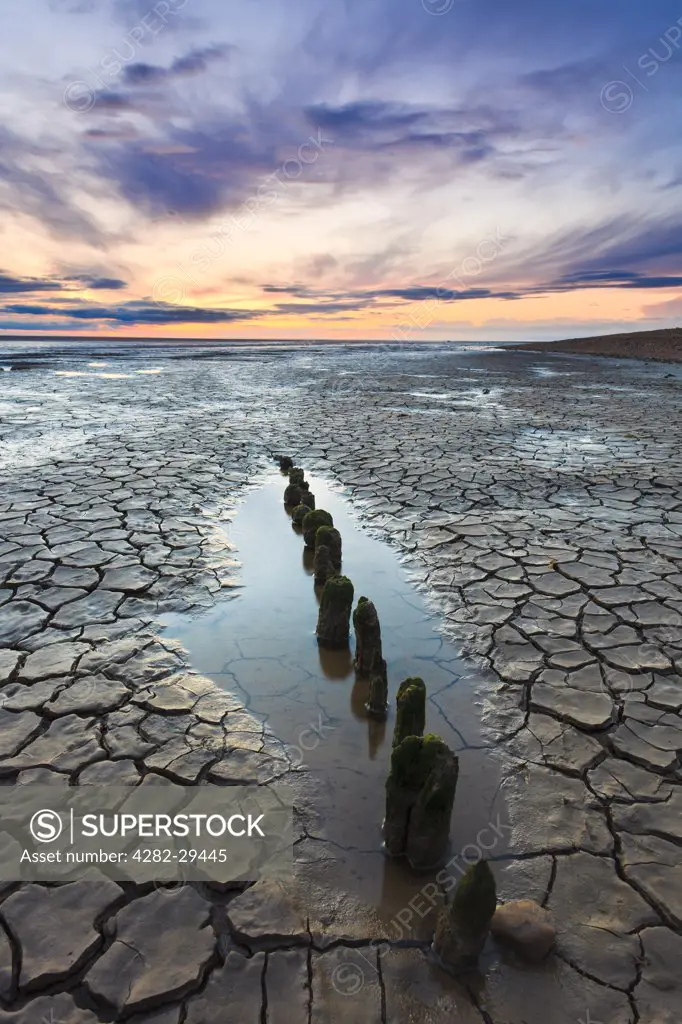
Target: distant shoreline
<point x="662" y="346"/>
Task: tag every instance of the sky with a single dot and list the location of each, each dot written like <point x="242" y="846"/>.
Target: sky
<point x="363" y="169"/>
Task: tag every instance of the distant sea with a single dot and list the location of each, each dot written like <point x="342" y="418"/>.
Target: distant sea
<point x="20" y="353"/>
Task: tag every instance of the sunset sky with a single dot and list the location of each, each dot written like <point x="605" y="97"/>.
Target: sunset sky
<point x="415" y="169"/>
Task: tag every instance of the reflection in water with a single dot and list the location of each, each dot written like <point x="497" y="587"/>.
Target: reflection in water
<point x="262" y="646"/>
<point x="308" y="559"/>
<point x="335" y="664"/>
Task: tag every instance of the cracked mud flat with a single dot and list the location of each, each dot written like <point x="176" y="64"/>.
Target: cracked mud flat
<point x="538" y="504"/>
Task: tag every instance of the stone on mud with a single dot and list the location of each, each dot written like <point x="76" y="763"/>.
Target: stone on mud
<point x="420" y="793"/>
<point x="333" y="623"/>
<point x="311" y="524"/>
<point x="462" y="927"/>
<point x="526" y="927"/>
<point x="410" y="710"/>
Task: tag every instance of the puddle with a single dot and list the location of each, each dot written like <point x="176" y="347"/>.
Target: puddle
<point x="262" y="646"/>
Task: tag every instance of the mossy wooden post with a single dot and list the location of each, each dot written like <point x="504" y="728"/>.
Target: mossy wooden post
<point x="308" y="499"/>
<point x="377" y="703"/>
<point x="410" y="710"/>
<point x="420" y="793"/>
<point x="331" y="538"/>
<point x="367" y="636"/>
<point x="336" y="603"/>
<point x="323" y="565"/>
<point x="462" y="927"/>
<point x="292" y="496"/>
<point x="285" y="463"/>
<point x="311" y="524"/>
<point x="296" y="476"/>
<point x="299" y="514"/>
<point x="429" y="831"/>
<point x="368" y="656"/>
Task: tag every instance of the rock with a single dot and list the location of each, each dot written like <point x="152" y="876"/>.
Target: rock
<point x="162" y="949"/>
<point x="462" y="927"/>
<point x="311" y="524"/>
<point x="323" y="565"/>
<point x="411" y="710"/>
<point x="526" y="927"/>
<point x="420" y="793"/>
<point x="367" y="637"/>
<point x="333" y="623"/>
<point x="331" y="538"/>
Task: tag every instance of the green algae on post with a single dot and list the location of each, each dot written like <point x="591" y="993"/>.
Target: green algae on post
<point x="292" y="495"/>
<point x="323" y="565"/>
<point x="296" y="476"/>
<point x="462" y="927"/>
<point x="410" y="710"/>
<point x="331" y="538"/>
<point x="299" y="514"/>
<point x="311" y="524"/>
<point x="369" y="661"/>
<point x="420" y="794"/>
<point x="377" y="704"/>
<point x="367" y="636"/>
<point x="336" y="603"/>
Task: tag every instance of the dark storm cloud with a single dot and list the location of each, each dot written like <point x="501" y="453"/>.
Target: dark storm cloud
<point x="628" y="252"/>
<point x="11" y="285"/>
<point x="131" y="313"/>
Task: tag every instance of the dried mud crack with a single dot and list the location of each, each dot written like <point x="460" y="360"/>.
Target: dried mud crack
<point x="540" y="511"/>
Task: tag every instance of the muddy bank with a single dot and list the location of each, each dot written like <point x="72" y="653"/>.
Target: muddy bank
<point x="654" y="346"/>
